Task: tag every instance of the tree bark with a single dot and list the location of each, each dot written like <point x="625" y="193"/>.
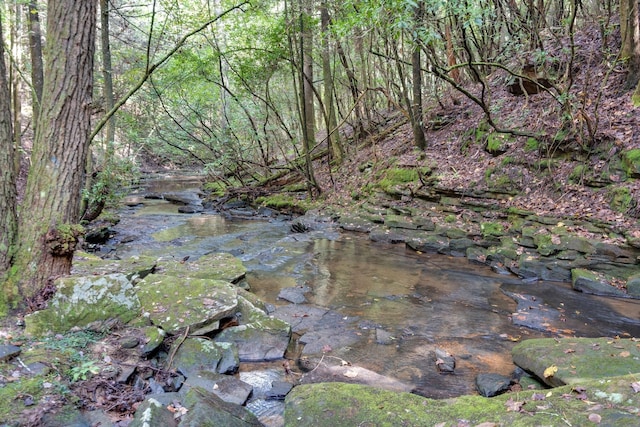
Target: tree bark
<point x="630" y="33"/>
<point x="35" y="49"/>
<point x="107" y="75"/>
<point x="8" y="218"/>
<point x="327" y="76"/>
<point x="50" y="209"/>
<point x="416" y="71"/>
<point x="306" y="86"/>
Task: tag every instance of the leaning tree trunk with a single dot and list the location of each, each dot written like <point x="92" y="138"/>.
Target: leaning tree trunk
<point x="49" y="212"/>
<point x="8" y="219"/>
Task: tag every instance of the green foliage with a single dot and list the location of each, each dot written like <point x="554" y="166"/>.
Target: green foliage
<point x="84" y="370"/>
<point x="285" y="202"/>
<point x="577" y="174"/>
<point x="491" y="229"/>
<point x="621" y="199"/>
<point x="398" y="176"/>
<point x="216" y="188"/>
<point x="449" y="219"/>
<point x="531" y="144"/>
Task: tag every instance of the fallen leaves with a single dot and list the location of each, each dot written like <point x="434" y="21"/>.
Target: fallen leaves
<point x="636" y="386"/>
<point x="550" y="371"/>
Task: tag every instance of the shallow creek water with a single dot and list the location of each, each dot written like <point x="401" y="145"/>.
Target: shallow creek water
<point x="418" y="302"/>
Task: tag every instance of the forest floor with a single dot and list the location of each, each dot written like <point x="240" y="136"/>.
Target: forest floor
<point x="570" y="169"/>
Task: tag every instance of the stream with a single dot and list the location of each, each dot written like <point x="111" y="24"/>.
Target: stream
<point x="390" y="307"/>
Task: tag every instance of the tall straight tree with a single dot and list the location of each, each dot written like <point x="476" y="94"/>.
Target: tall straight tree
<point x="416" y="71"/>
<point x="8" y="219"/>
<point x="35" y="49"/>
<point x="47" y="234"/>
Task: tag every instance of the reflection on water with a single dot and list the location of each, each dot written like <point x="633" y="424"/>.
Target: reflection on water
<point x="420" y="301"/>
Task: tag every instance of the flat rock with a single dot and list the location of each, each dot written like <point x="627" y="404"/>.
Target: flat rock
<point x="196" y="354"/>
<point x="8" y="351"/>
<point x="489" y="385"/>
<point x="174" y="303"/>
<point x="208" y="410"/>
<point x="591" y="282"/>
<point x="259" y="337"/>
<point x="577" y="359"/>
<point x="216" y="265"/>
<point x="226" y="387"/>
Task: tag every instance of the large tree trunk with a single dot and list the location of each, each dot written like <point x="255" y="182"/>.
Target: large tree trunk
<point x="8" y="219"/>
<point x="35" y="49"/>
<point x="50" y="210"/>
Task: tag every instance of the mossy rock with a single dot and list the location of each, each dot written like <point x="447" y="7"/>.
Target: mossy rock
<point x="174" y="303"/>
<point x="134" y="267"/>
<point x="491" y="229"/>
<point x="340" y="404"/>
<point x="631" y="160"/>
<point x="577" y="359"/>
<point x="633" y="285"/>
<point x="213" y="266"/>
<point x="85" y="302"/>
<point x="498" y="143"/>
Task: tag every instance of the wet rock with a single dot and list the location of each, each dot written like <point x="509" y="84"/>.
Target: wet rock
<point x="226" y="387"/>
<point x="190" y="209"/>
<point x="196" y="354"/>
<point x="86" y="302"/>
<point x="258" y="337"/>
<point x="577" y="359"/>
<point x="489" y="385"/>
<point x="98" y="234"/>
<point x="591" y="282"/>
<point x="445" y="362"/>
<point x="356" y="224"/>
<point x="398" y="221"/>
<point x="294" y="294"/>
<point x="207" y="409"/>
<point x="384" y="337"/>
<point x="8" y="351"/>
<point x="633" y="286"/>
<point x="301" y="317"/>
<point x="153" y="413"/>
<point x="279" y="390"/>
<point x="327" y="370"/>
<point x="387" y="236"/>
<point x="183" y="197"/>
<point x="175" y="304"/>
<point x="300" y="227"/>
<point x="430" y="243"/>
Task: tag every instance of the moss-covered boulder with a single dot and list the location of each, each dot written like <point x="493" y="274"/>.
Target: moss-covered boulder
<point x="609" y="402"/>
<point x="218" y="266"/>
<point x="591" y="282"/>
<point x="631" y="160"/>
<point x="85" y="302"/>
<point x="574" y="360"/>
<point x="175" y="303"/>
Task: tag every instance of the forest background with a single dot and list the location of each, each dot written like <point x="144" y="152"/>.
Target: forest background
<point x="312" y="92"/>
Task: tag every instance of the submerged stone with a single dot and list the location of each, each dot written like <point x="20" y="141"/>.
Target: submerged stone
<point x="86" y="302"/>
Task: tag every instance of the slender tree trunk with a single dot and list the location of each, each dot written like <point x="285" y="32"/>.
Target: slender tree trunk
<point x="16" y="82"/>
<point x="306" y="86"/>
<point x="8" y="219"/>
<point x="107" y="75"/>
<point x="630" y="32"/>
<point x="50" y="209"/>
<point x="35" y="49"/>
<point x="327" y="75"/>
<point x="416" y="71"/>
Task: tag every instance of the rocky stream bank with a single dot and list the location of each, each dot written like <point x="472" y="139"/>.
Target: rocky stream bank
<point x="172" y="335"/>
